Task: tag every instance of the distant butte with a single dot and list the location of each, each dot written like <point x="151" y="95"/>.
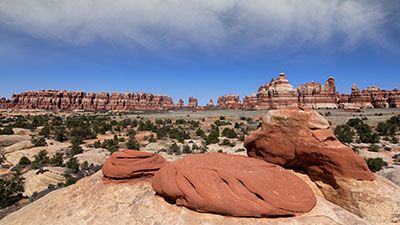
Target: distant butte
<point x="276" y="94"/>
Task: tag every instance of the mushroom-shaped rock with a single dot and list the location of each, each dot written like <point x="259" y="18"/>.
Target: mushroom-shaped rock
<point x="302" y="139"/>
<point x="233" y="185"/>
<point x="126" y="164"/>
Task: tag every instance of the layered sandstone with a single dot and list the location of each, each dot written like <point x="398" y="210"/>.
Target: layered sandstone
<point x="233" y="185"/>
<point x="229" y="102"/>
<point x="314" y="95"/>
<point x="128" y="164"/>
<point x="210" y="104"/>
<point x="193" y="103"/>
<point x="92" y="201"/>
<point x="77" y="100"/>
<point x="302" y="139"/>
<point x="276" y="94"/>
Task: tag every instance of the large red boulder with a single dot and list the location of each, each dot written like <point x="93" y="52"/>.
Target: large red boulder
<point x="126" y="164"/>
<point x="233" y="185"/>
<point x="302" y="140"/>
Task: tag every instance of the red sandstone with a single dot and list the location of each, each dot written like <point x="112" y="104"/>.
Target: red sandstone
<point x="233" y="185"/>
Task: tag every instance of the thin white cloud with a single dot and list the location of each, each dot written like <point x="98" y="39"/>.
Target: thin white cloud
<point x="204" y="24"/>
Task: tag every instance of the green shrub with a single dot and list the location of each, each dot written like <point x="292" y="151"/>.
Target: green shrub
<point x="373" y="148"/>
<point x="41" y="159"/>
<point x="376" y="164"/>
<point x="73" y="165"/>
<point x="174" y="148"/>
<point x="212" y="138"/>
<point x="23" y="161"/>
<point x="57" y="159"/>
<point x="344" y="133"/>
<point x="6" y="130"/>
<point x="70" y="181"/>
<point x="38" y="142"/>
<point x="75" y="149"/>
<point x="11" y="190"/>
<point x="132" y="143"/>
<point x="229" y="133"/>
<point x="186" y="149"/>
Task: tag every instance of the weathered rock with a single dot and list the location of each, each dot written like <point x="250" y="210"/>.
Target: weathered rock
<point x="277" y="93"/>
<point x="301" y="139"/>
<point x="181" y="104"/>
<point x="229" y="102"/>
<point x="376" y="201"/>
<point x="39" y="180"/>
<point x="193" y="103"/>
<point x="77" y="100"/>
<point x="18" y="146"/>
<point x="127" y="164"/>
<point x="96" y="156"/>
<point x="52" y="148"/>
<point x="233" y="185"/>
<point x="315" y="96"/>
<point x="8" y="140"/>
<point x="91" y="201"/>
<point x="210" y="104"/>
<point x="392" y="174"/>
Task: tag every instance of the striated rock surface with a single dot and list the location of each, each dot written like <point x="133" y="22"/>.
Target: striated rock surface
<point x="314" y="95"/>
<point x="92" y="201"/>
<point x="8" y="140"/>
<point x="77" y="100"/>
<point x="301" y="139"/>
<point x="229" y="102"/>
<point x="276" y="94"/>
<point x="233" y="185"/>
<point x="37" y="181"/>
<point x="95" y="156"/>
<point x="126" y="164"/>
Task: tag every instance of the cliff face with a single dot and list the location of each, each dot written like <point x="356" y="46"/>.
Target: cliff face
<point x="229" y="102"/>
<point x="276" y="94"/>
<point x="71" y="100"/>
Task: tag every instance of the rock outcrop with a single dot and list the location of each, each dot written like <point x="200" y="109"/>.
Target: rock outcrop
<point x="128" y="164"/>
<point x="229" y="102"/>
<point x="181" y="104"/>
<point x="314" y="95"/>
<point x="39" y="180"/>
<point x="276" y="94"/>
<point x="92" y="201"/>
<point x="301" y="139"/>
<point x="77" y="100"/>
<point x="210" y="104"/>
<point x="193" y="103"/>
<point x="233" y="185"/>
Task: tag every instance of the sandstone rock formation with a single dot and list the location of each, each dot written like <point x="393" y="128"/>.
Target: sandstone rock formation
<point x="92" y="201"/>
<point x="301" y="139"/>
<point x="372" y="97"/>
<point x="376" y="201"/>
<point x="39" y="180"/>
<point x="193" y="103"/>
<point x="314" y="95"/>
<point x="233" y="185"/>
<point x="127" y="164"/>
<point x="276" y="94"/>
<point x="77" y="100"/>
<point x="181" y="104"/>
<point x="210" y="104"/>
<point x="95" y="156"/>
<point x="229" y="102"/>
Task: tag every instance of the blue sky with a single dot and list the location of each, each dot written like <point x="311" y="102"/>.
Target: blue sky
<point x="196" y="48"/>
